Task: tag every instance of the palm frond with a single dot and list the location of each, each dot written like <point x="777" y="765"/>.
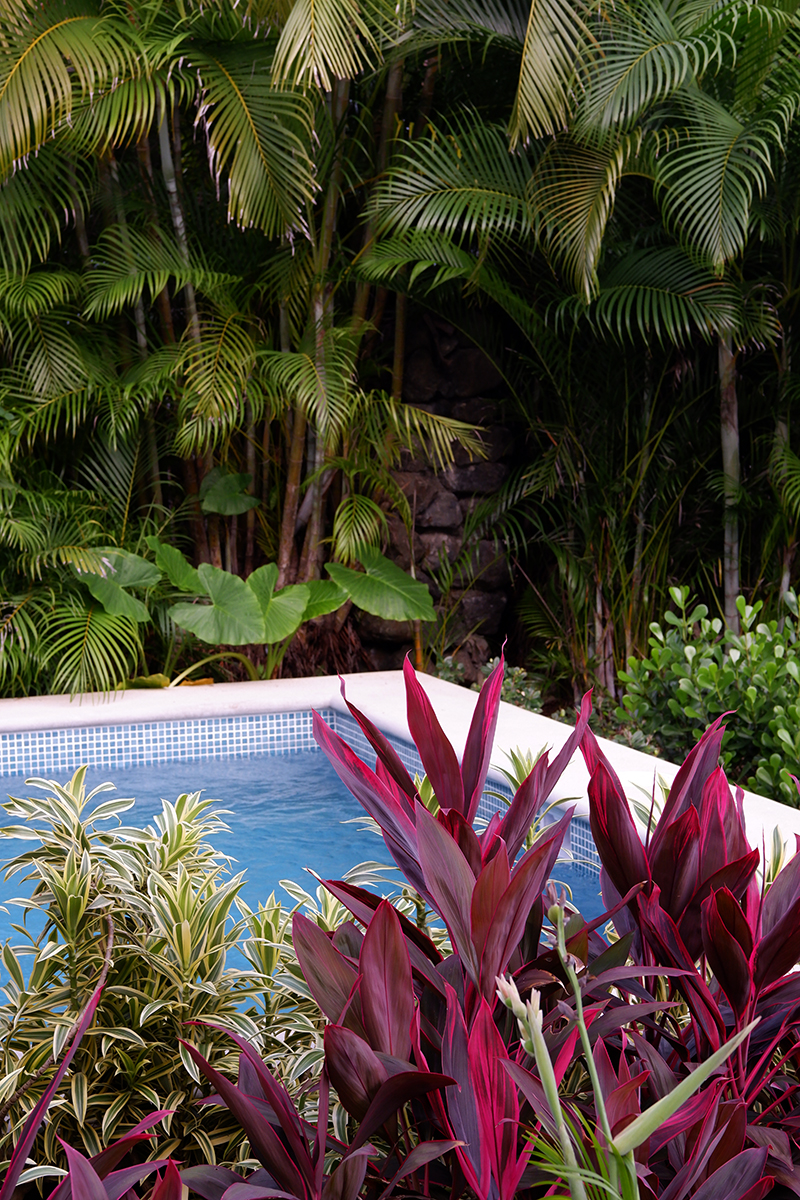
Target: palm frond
<point x="359" y="521"/>
<point x="707" y="179"/>
<point x="644" y="60"/>
<point x="93" y="650"/>
<point x="36" y="201"/>
<point x="451" y="22"/>
<point x="323" y="40"/>
<point x="396" y="426"/>
<point x="320" y="379"/>
<point x="216" y="371"/>
<point x="660" y="293"/>
<point x="572" y="197"/>
<point x="554" y="54"/>
<point x="257" y="136"/>
<point x="57" y="56"/>
<point x="127" y="263"/>
<point x="461" y="182"/>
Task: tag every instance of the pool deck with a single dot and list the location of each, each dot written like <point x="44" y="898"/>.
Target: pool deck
<point x="381" y="696"/>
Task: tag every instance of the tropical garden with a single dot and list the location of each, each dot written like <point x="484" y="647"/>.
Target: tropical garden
<point x="220" y="226"/>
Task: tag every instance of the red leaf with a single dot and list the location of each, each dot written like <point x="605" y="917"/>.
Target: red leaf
<point x="107" y="1159"/>
<point x="393" y="1094"/>
<point x="345" y="1182"/>
<point x="449" y="883"/>
<point x="464" y="836"/>
<point x="617" y="841"/>
<point x="461" y="1102"/>
<point x="496" y="1096"/>
<point x="739" y="1179"/>
<point x="728" y="944"/>
<point x="30" y="1129"/>
<point x="478" y="749"/>
<point x="387" y="996"/>
<point x="386" y="752"/>
<point x="421" y="950"/>
<point x="781" y="895"/>
<point x="84" y="1181"/>
<point x="735" y="876"/>
<point x="329" y="975"/>
<point x="622" y="1106"/>
<point x="420" y="1156"/>
<point x="507" y="925"/>
<point x="356" y="1072"/>
<point x="394" y="820"/>
<point x="276" y="1096"/>
<point x="438" y="756"/>
<point x="662" y="934"/>
<point x="687" y="786"/>
<point x="169" y="1186"/>
<point x="489" y="890"/>
<point x="119" y="1183"/>
<point x="264" y="1141"/>
<point x="676" y="863"/>
<point x="778" y="952"/>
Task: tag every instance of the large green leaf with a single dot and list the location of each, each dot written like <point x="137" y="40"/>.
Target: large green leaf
<point x="225" y="494"/>
<point x="384" y="590"/>
<point x="178" y="571"/>
<point x="121" y="570"/>
<point x="282" y="612"/>
<point x="325" y="596"/>
<point x="114" y="599"/>
<point x="233" y="618"/>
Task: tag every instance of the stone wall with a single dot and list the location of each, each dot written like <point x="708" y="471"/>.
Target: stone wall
<point x="445" y="374"/>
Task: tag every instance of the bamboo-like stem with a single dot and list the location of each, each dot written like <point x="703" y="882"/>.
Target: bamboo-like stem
<point x="729" y="430"/>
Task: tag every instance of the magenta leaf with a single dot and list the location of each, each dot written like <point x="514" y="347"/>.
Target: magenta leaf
<point x="345" y="1182"/>
<point x="449" y="882"/>
<point x="85" y="1183"/>
<point x="782" y="895"/>
<point x="438" y="756"/>
<point x="613" y="828"/>
<point x="420" y="1156"/>
<point x="330" y="976"/>
<point x="107" y="1159"/>
<point x="676" y="863"/>
<point x="210" y="1182"/>
<point x="478" y="748"/>
<point x="169" y="1186"/>
<point x="462" y="1104"/>
<point x="393" y="1094"/>
<point x="119" y="1183"/>
<point x="779" y="950"/>
<point x="496" y="1097"/>
<point x="507" y="922"/>
<point x="387" y="995"/>
<point x="31" y="1127"/>
<point x="385" y="751"/>
<point x="741" y="1178"/>
<point x="687" y="786"/>
<point x="393" y="817"/>
<point x="728" y="944"/>
<point x="264" y="1141"/>
<point x="355" y="1071"/>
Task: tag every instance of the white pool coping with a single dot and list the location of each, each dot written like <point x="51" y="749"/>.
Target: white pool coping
<point x="381" y="696"/>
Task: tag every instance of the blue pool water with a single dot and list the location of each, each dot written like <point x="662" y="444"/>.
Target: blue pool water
<point x="287" y="813"/>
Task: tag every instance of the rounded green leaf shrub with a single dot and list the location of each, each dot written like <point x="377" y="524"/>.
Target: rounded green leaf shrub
<point x="698" y="670"/>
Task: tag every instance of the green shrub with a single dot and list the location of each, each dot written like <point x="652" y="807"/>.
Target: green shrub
<point x="698" y="670"/>
<point x="519" y="687"/>
<point x="174" y="911"/>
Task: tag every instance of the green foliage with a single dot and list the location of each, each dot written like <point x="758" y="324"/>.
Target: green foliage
<point x="175" y="914"/>
<point x="698" y="670"/>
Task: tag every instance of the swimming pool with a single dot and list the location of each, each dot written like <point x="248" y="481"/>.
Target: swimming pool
<point x="288" y="809"/>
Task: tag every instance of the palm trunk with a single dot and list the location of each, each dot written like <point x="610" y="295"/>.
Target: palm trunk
<point x="291" y="500"/>
<point x="729" y="429"/>
<point x="176" y="212"/>
<point x="250" y="467"/>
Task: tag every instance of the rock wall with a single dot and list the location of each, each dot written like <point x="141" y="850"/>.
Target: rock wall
<point x="445" y="374"/>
